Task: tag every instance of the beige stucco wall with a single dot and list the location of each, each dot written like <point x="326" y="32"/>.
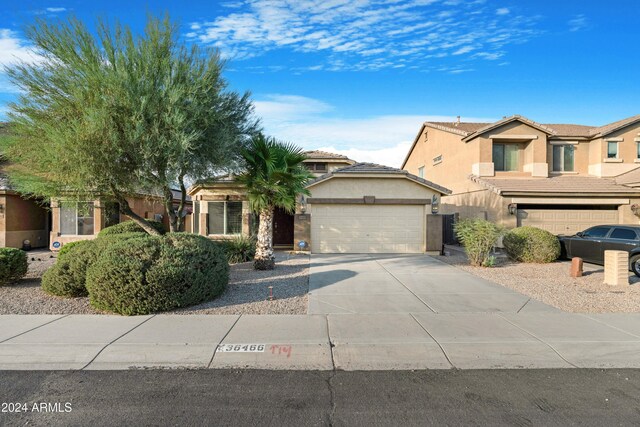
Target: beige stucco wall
<point x="22" y="220"/>
<point x="480" y="204"/>
<point x="627" y="153"/>
<point x="457" y="159"/>
<point x="582" y="153"/>
<point x="460" y="159"/>
<point x="146" y="207"/>
<point x="381" y="188"/>
<point x="533" y="152"/>
<point x="219" y="192"/>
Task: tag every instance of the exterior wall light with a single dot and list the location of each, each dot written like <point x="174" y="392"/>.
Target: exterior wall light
<point x="1" y="209"/>
<point x="512" y="208"/>
<point x="435" y="204"/>
<point x="303" y="204"/>
<point x="635" y="209"/>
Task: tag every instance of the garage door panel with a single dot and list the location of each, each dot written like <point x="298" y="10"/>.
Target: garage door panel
<point x="567" y="221"/>
<point x="367" y="228"/>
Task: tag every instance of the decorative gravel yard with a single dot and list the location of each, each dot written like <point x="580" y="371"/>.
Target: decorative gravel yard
<point x="551" y="284"/>
<point x="246" y="294"/>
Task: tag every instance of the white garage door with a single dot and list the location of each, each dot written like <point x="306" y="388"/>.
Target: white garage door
<point x="367" y="228"/>
<point x="565" y="221"/>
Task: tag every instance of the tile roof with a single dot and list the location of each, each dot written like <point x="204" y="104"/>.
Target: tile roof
<point x="318" y="154"/>
<point x="611" y="127"/>
<point x="554" y="185"/>
<point x="629" y="178"/>
<point x="555" y="129"/>
<point x="465" y="128"/>
<point x="566" y="129"/>
<point x="373" y="168"/>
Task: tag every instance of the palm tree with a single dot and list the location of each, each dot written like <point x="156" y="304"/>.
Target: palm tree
<point x="274" y="178"/>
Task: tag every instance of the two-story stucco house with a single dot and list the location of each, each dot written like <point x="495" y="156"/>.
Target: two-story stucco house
<point x="560" y="177"/>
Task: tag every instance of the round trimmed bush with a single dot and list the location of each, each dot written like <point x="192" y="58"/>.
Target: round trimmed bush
<point x="67" y="278"/>
<point x="157" y="273"/>
<point x="13" y="265"/>
<point x="130" y="227"/>
<point x="67" y="247"/>
<point x="531" y="244"/>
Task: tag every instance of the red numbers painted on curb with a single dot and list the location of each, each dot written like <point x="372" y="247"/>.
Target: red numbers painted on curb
<point x="281" y="350"/>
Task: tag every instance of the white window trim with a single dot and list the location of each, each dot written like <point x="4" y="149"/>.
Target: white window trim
<point x="421" y="169"/>
<point x="77" y="210"/>
<point x="224" y="220"/>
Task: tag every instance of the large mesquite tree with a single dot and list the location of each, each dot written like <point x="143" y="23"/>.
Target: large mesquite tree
<point x="274" y="178"/>
<point x="114" y="114"/>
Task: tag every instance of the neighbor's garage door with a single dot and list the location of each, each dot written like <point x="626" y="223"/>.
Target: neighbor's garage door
<point x="367" y="228"/>
<point x="565" y="221"/>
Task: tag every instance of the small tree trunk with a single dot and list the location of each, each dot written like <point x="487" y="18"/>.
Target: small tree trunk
<point x="168" y="207"/>
<point x="126" y="210"/>
<point x="183" y="201"/>
<point x="264" y="259"/>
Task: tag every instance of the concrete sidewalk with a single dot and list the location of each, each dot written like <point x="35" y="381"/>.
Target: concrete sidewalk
<point x="421" y="340"/>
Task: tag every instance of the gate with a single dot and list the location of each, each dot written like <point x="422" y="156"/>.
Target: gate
<point x="448" y="234"/>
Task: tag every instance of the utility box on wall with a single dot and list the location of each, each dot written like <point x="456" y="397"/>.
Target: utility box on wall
<point x="435" y="228"/>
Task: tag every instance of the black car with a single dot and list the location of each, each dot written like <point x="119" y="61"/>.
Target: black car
<point x="591" y="243"/>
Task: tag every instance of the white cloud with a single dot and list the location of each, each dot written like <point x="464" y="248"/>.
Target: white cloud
<point x="14" y="49"/>
<point x="578" y="23"/>
<point x="56" y="9"/>
<point x="282" y="108"/>
<point x="364" y="34"/>
<point x="309" y="123"/>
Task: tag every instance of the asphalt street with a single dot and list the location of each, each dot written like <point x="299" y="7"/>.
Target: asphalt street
<point x="237" y="397"/>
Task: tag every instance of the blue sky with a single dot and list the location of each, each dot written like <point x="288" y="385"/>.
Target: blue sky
<point x="360" y="76"/>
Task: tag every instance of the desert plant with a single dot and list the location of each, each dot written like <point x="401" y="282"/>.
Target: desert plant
<point x="531" y="244"/>
<point x="274" y="177"/>
<point x="123" y="110"/>
<point x="67" y="277"/>
<point x="13" y="265"/>
<point x="130" y="227"/>
<point x="157" y="273"/>
<point x="239" y="249"/>
<point x="478" y="237"/>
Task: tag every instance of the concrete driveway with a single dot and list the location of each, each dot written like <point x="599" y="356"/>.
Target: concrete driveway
<point x="368" y="284"/>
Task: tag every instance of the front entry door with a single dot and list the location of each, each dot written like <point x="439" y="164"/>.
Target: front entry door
<point x="282" y="228"/>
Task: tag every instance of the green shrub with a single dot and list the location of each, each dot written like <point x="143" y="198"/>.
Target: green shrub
<point x="67" y="247"/>
<point x="67" y="278"/>
<point x="157" y="273"/>
<point x="13" y="265"/>
<point x="239" y="249"/>
<point x="130" y="227"/>
<point x="478" y="237"/>
<point x="531" y="244"/>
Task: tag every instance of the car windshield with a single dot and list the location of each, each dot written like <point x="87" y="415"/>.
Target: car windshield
<point x="596" y="232"/>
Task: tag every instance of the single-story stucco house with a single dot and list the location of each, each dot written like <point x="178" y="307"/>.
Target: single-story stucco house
<point x="353" y="208"/>
<point x="73" y="221"/>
